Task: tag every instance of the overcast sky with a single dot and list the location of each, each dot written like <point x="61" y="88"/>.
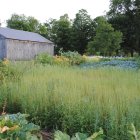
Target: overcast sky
<point x="45" y="9"/>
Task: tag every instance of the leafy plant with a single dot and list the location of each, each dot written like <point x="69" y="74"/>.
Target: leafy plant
<point x="134" y="134"/>
<point x="74" y="57"/>
<point x="78" y="136"/>
<point x="16" y="127"/>
<point x="61" y="60"/>
<point x="124" y="64"/>
<point x="61" y="136"/>
<point x="44" y="58"/>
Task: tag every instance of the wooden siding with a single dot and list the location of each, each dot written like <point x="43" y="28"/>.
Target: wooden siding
<point x="2" y="48"/>
<point x="26" y="50"/>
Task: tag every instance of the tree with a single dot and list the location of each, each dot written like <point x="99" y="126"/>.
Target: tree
<point x="83" y="30"/>
<point x="106" y="41"/>
<point x="18" y="22"/>
<point x="60" y="32"/>
<point x="124" y="16"/>
<point x="137" y="24"/>
<point x="21" y="22"/>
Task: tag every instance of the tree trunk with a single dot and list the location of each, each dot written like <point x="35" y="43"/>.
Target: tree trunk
<point x="132" y="53"/>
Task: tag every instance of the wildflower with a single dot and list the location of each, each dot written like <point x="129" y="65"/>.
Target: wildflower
<point x="5" y="61"/>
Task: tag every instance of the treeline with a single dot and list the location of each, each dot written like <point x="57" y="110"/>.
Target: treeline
<point x="116" y="33"/>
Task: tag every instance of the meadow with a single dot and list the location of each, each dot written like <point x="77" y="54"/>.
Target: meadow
<point x="73" y="99"/>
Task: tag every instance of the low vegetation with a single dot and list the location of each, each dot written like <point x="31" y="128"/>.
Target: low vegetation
<point x="73" y="99"/>
<point x="16" y="127"/>
<point x="8" y="72"/>
<point x="64" y="59"/>
<point x="58" y="135"/>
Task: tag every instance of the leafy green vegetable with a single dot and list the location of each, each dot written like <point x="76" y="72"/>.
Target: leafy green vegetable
<point x="61" y="136"/>
<point x="16" y="127"/>
<point x="78" y="136"/>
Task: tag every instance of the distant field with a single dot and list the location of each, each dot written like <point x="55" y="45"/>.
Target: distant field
<point x="73" y="99"/>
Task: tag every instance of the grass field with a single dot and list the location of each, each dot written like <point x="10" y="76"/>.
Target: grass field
<point x="73" y="99"/>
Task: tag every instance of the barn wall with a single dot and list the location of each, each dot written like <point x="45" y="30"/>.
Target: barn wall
<point x="26" y="50"/>
<point x="2" y="48"/>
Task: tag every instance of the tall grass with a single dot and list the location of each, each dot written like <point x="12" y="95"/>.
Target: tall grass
<point x="73" y="99"/>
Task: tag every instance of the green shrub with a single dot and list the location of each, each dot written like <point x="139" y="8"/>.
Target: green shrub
<point x="74" y="57"/>
<point x="61" y="60"/>
<point x="44" y="58"/>
<point x="65" y="58"/>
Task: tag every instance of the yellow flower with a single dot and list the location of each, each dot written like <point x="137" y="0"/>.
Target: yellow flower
<point x="5" y="61"/>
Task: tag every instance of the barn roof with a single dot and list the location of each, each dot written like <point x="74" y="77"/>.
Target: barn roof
<point x="22" y="35"/>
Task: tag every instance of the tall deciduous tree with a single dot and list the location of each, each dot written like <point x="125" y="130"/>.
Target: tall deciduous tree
<point x="83" y="30"/>
<point x="60" y="32"/>
<point x="137" y="24"/>
<point x="107" y="41"/>
<point x="21" y="22"/>
<point x="124" y="16"/>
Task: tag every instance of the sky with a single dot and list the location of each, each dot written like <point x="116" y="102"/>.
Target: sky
<point x="46" y="9"/>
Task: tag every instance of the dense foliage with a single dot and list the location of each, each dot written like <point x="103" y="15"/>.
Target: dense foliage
<point x="83" y="30"/>
<point x="118" y="33"/>
<point x="74" y="57"/>
<point x="124" y="15"/>
<point x="21" y="22"/>
<point x="59" y="31"/>
<point x="107" y="41"/>
<point x="65" y="58"/>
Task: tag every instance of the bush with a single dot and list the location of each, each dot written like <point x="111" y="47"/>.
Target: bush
<point x="44" y="58"/>
<point x="61" y="60"/>
<point x="74" y="57"/>
<point x="65" y="58"/>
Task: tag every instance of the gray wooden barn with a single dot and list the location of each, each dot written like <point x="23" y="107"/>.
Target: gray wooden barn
<point x="22" y="45"/>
